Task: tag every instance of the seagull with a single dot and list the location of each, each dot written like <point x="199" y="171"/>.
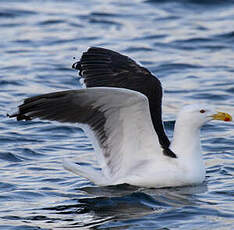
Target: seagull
<point x="120" y="110"/>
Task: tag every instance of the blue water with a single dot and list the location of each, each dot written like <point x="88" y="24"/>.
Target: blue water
<point x="188" y="44"/>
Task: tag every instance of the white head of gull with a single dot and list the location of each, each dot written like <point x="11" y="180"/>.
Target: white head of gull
<point x="120" y="110"/>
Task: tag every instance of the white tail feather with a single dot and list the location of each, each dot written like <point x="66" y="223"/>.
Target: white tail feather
<point x="87" y="172"/>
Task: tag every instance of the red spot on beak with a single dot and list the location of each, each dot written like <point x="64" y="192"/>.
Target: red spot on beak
<point x="226" y="119"/>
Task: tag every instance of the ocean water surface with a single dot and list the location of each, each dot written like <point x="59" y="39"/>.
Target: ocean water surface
<point x="188" y="44"/>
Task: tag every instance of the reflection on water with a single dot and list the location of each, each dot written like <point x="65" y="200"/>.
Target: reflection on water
<point x="187" y="44"/>
<point x="124" y="203"/>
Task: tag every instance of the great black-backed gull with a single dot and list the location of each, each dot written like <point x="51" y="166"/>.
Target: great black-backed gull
<point x="120" y="109"/>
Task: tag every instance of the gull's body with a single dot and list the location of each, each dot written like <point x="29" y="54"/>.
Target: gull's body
<point x="121" y="113"/>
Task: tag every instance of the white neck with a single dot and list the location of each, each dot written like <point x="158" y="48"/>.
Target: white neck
<point x="186" y="145"/>
<point x="186" y="140"/>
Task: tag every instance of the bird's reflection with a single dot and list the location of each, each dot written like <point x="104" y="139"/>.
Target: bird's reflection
<point x="123" y="203"/>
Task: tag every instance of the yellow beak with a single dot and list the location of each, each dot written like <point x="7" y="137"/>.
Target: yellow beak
<point x="222" y="116"/>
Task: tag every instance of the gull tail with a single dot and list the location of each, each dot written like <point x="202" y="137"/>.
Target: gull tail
<point x="87" y="172"/>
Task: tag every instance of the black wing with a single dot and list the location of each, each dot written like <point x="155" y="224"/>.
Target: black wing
<point x="101" y="67"/>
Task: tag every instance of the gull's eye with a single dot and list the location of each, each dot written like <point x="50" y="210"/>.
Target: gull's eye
<point x="202" y="111"/>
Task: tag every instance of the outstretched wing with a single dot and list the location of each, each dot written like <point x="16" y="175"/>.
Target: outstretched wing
<point x="100" y="67"/>
<point x="119" y="118"/>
